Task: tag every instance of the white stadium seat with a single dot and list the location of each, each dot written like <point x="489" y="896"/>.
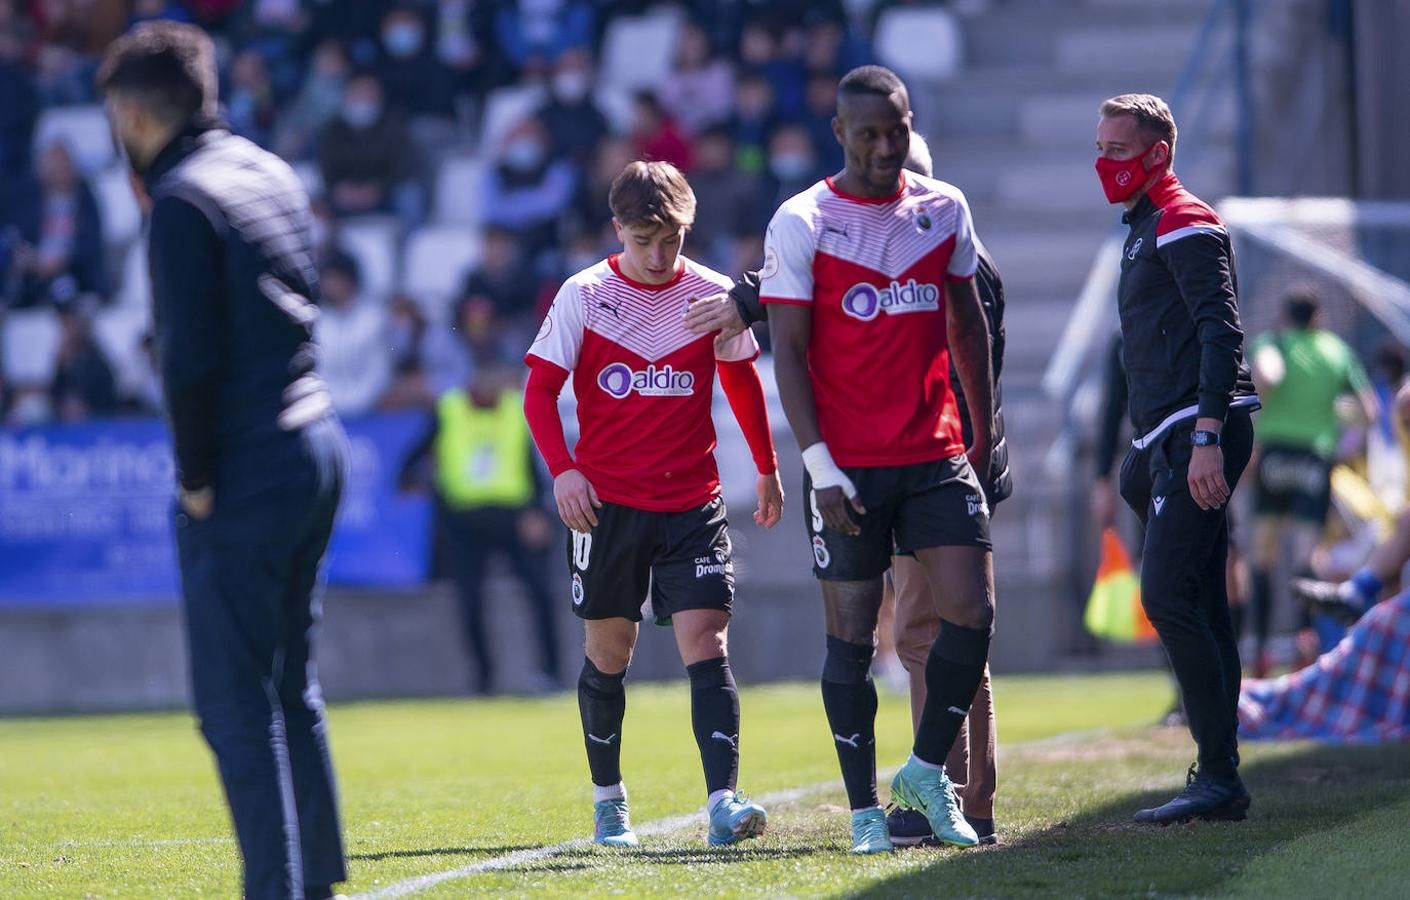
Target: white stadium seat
<point x="438" y="257"/>
<point x="458" y="190"/>
<point x="122" y="218"/>
<point x="372" y="241"/>
<point x="504" y="108"/>
<point x="639" y="51"/>
<point x="84" y="129"/>
<point x="29" y="345"/>
<point x="922" y="43"/>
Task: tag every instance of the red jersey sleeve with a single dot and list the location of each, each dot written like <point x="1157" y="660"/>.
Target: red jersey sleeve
<point x="546" y="380"/>
<point x="740" y="381"/>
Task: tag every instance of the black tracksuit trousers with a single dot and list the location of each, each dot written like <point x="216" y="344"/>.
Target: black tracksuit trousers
<point x="1183" y="584"/>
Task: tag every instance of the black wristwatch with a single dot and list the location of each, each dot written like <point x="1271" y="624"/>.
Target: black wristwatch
<point x="1204" y="438"/>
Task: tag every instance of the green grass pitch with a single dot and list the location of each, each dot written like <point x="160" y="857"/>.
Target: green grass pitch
<point x="129" y="806"/>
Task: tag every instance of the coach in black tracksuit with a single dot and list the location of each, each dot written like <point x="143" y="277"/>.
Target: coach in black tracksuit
<point x="1190" y="396"/>
<point x="259" y="454"/>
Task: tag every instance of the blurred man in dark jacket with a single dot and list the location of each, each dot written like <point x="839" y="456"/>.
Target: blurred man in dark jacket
<point x="260" y="457"/>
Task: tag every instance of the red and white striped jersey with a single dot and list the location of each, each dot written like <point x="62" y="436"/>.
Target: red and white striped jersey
<point x="874" y="271"/>
<point x="644" y="383"/>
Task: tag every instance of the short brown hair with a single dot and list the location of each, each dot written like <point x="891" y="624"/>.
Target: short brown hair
<point x="1152" y="115"/>
<point x="652" y="195"/>
<point x="168" y="67"/>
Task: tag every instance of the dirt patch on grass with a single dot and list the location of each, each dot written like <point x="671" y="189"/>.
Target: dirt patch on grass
<point x="1157" y="742"/>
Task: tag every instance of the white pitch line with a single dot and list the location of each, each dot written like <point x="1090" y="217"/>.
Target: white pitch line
<point x="520" y="857"/>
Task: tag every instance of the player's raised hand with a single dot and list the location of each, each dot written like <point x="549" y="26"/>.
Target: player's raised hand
<point x="770" y="491"/>
<point x="576" y="499"/>
<point x="714" y="313"/>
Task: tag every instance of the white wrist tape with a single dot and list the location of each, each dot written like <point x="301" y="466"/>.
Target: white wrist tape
<point x="824" y="472"/>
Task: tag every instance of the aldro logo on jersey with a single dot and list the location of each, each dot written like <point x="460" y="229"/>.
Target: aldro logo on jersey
<point x="619" y="380"/>
<point x="865" y="302"/>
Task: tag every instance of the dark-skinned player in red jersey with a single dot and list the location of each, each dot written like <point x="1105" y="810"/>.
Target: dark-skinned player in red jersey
<point x="641" y="492"/>
<point x="869" y="281"/>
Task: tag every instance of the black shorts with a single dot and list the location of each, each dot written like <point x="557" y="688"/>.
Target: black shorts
<point x="1292" y="482"/>
<point x="909" y="508"/>
<point x="682" y="558"/>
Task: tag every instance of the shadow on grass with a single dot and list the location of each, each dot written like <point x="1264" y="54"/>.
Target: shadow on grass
<point x="439" y="851"/>
<point x="1103" y="853"/>
<point x="588" y="858"/>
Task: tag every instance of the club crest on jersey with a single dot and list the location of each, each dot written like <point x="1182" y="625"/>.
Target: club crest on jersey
<point x="619" y="380"/>
<point x="820" y="553"/>
<point x="577" y="589"/>
<point x="922" y="221"/>
<point x="865" y="302"/>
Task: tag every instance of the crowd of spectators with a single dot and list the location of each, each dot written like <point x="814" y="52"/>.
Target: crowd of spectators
<point x="369" y="100"/>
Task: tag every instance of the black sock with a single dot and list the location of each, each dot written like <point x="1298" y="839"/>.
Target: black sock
<point x="714" y="712"/>
<point x="1262" y="606"/>
<point x="952" y="675"/>
<point x="602" y="701"/>
<point x="849" y="697"/>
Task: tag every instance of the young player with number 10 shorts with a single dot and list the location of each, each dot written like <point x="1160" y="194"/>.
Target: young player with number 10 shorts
<point x="642" y="493"/>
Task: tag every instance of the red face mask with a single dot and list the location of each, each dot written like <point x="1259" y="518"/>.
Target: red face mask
<point x="1121" y="178"/>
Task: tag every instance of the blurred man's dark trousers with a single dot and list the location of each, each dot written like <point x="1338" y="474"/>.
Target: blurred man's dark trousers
<point x="250" y="578"/>
<point x="472" y="537"/>
<point x="1183" y="585"/>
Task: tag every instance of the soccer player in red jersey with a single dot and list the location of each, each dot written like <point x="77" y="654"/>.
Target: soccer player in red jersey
<point x="869" y="281"/>
<point x="641" y="493"/>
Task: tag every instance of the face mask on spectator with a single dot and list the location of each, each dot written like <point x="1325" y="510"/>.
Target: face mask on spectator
<point x="403" y="40"/>
<point x="787" y="166"/>
<point x="523" y="154"/>
<point x="572" y="85"/>
<point x="360" y="113"/>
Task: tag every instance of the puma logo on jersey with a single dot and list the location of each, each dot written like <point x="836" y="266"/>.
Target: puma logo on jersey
<point x="732" y="740"/>
<point x="605" y="741"/>
<point x="614" y="310"/>
<point x="959" y="712"/>
<point x="829" y="228"/>
<point x="853" y="741"/>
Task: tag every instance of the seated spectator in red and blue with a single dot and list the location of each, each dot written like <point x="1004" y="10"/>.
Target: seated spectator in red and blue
<point x="249" y="100"/>
<point x="656" y="136"/>
<point x="367" y="159"/>
<point x="572" y="118"/>
<point x="532" y="34"/>
<point x="353" y="356"/>
<point x="527" y="189"/>
<point x="699" y="93"/>
<point x="83" y="380"/>
<point x="315" y="105"/>
<point x="58" y="256"/>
